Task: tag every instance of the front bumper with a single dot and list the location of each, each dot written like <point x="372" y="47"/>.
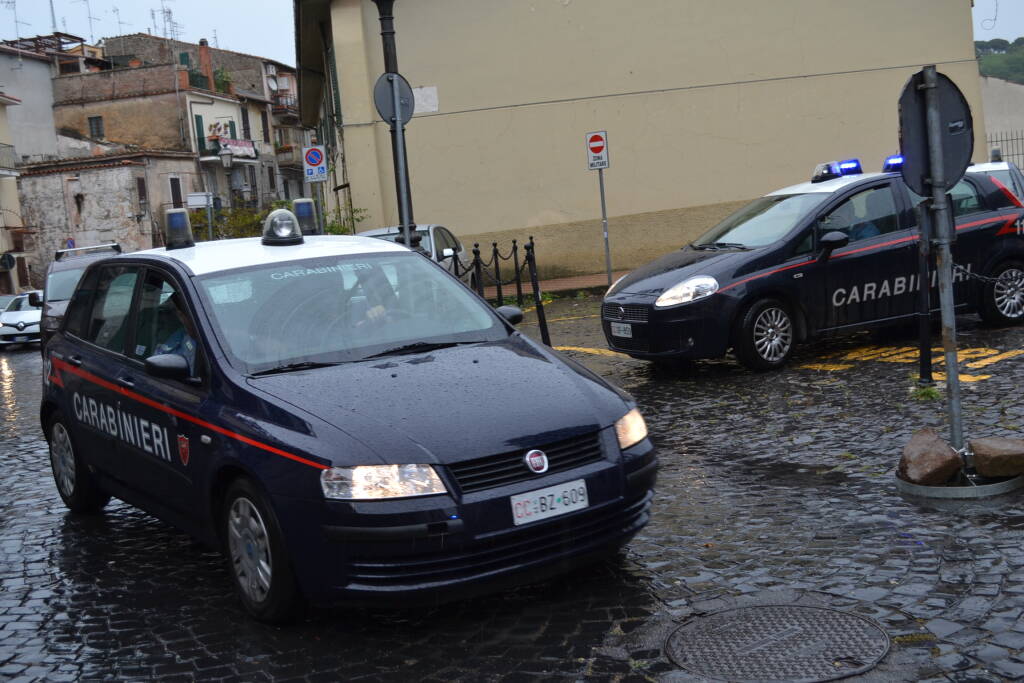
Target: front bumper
<point x="439" y="548"/>
<point x="12" y="335"/>
<point x="696" y="330"/>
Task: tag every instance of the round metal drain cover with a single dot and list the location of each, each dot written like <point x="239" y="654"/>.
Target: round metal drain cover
<point x="778" y="643"/>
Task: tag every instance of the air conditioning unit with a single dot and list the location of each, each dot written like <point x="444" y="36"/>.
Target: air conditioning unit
<point x="271" y="70"/>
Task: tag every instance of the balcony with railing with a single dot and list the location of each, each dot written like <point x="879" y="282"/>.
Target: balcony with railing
<point x="286" y="104"/>
<point x="8" y="161"/>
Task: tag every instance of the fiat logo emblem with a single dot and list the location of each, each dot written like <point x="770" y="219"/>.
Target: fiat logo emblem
<point x="536" y="461"/>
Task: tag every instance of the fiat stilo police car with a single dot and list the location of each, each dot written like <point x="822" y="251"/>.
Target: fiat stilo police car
<point x="343" y="417"/>
<point x="837" y="254"/>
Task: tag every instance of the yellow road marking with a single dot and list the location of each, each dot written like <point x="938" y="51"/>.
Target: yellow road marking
<point x="595" y="352"/>
<point x="826" y="366"/>
<point x="995" y="359"/>
<point x="941" y="376"/>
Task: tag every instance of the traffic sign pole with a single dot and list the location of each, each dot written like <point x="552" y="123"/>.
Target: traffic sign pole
<point x="604" y="222"/>
<point x="943" y="229"/>
<point x="597" y="158"/>
<point x="404" y="208"/>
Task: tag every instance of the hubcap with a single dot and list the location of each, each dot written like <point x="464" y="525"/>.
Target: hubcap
<point x="1009" y="293"/>
<point x="773" y="334"/>
<point x="62" y="457"/>
<point x="249" y="546"/>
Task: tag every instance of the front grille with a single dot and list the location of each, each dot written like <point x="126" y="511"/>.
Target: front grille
<point x="634" y="344"/>
<point x="626" y="312"/>
<point x="550" y="542"/>
<point x="509" y="468"/>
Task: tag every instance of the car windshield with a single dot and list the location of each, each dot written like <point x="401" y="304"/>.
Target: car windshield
<point x="424" y="238"/>
<point x="339" y="309"/>
<point x="763" y="221"/>
<point x="60" y="285"/>
<point x="20" y="304"/>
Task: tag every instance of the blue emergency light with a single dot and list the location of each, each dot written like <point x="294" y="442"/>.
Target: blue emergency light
<point x="892" y="163"/>
<point x="850" y="167"/>
<point x="826" y="171"/>
<point x="178" y="232"/>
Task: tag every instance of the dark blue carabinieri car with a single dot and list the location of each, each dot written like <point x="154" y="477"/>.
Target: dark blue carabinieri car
<point x="343" y="417"/>
<point x="834" y="255"/>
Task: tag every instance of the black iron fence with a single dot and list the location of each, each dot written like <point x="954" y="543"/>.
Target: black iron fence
<point x="1010" y="145"/>
<point x="483" y="274"/>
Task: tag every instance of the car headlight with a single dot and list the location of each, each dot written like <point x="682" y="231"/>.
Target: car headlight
<point x="51" y="324"/>
<point x="688" y="290"/>
<point x="371" y="482"/>
<point x="615" y="284"/>
<point x="631" y="429"/>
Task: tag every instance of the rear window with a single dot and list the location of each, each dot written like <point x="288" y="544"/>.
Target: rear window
<point x="60" y="285"/>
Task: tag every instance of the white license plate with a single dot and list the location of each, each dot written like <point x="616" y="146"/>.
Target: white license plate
<point x="22" y="338"/>
<point x="549" y="502"/>
<point x="622" y="330"/>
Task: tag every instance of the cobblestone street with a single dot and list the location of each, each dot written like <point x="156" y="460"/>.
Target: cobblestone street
<point x="773" y="488"/>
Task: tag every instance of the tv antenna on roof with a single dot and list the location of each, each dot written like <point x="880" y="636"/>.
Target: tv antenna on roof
<point x="53" y="17"/>
<point x="88" y="12"/>
<point x="117" y="15"/>
<point x="13" y="6"/>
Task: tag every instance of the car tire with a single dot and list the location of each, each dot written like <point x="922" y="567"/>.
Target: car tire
<point x="1003" y="303"/>
<point x="75" y="483"/>
<point x="765" y="335"/>
<point x="256" y="555"/>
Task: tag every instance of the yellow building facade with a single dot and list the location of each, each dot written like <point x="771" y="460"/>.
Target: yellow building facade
<point x="706" y="105"/>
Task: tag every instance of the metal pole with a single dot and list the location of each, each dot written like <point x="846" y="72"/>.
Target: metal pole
<point x="209" y="216"/>
<point x="542" y="320"/>
<point x="404" y="209"/>
<point x="924" y="311"/>
<point x="942" y="222"/>
<point x="604" y="222"/>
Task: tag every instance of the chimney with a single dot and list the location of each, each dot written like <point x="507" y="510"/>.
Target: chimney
<point x="206" y="62"/>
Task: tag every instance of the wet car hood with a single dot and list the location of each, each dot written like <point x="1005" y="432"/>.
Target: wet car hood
<point x="452" y="404"/>
<point x="13" y="318"/>
<point x="671" y="269"/>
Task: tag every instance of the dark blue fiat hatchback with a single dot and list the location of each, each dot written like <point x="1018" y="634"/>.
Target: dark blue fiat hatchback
<point x="340" y="415"/>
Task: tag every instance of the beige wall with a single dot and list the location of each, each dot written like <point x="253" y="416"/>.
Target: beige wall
<point x="151" y="122"/>
<point x="1004" y="105"/>
<point x="705" y="104"/>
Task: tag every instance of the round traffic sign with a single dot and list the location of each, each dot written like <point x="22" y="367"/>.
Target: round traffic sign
<point x="384" y="98"/>
<point x="314" y="157"/>
<point x="596" y="143"/>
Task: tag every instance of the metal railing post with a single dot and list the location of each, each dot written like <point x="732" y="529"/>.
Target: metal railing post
<point x="478" y="271"/>
<point x="496" y="255"/>
<point x="542" y="320"/>
<point x="519" y="274"/>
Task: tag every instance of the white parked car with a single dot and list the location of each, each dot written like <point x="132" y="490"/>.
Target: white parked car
<point x="436" y="241"/>
<point x="19" y="321"/>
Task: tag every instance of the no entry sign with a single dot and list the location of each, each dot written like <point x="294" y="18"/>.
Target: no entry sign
<point x="597" y="150"/>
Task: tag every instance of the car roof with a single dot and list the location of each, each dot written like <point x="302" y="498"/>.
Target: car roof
<point x="829" y="186"/>
<point x="78" y="261"/>
<point x="989" y="166"/>
<point x="392" y="229"/>
<point x="221" y="255"/>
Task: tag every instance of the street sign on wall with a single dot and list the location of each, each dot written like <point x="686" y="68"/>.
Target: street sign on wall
<point x="597" y="150"/>
<point x="314" y="162"/>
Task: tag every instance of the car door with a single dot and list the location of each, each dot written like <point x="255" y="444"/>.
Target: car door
<point x="870" y="280"/>
<point x="92" y="364"/>
<point x="165" y="447"/>
<point x="444" y="240"/>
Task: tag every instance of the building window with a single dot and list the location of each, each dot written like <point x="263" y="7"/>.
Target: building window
<point x="96" y="127"/>
<point x="176" y="193"/>
<point x="271" y="180"/>
<point x="246" y="131"/>
<point x="266" y="126"/>
<point x="140" y="188"/>
<point x="232" y="129"/>
<point x="200" y="134"/>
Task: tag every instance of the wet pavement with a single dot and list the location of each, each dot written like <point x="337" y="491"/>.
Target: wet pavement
<point x="773" y="488"/>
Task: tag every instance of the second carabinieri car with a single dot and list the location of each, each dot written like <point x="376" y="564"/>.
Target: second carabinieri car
<point x="825" y="257"/>
<point x="339" y="414"/>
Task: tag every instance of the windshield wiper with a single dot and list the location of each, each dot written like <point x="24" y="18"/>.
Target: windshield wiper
<point x="417" y="347"/>
<point x="720" y="245"/>
<point x="291" y="367"/>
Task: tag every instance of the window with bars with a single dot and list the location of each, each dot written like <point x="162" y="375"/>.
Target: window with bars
<point x="96" y="127"/>
<point x="140" y="189"/>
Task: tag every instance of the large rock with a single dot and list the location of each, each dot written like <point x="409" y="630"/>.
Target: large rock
<point x="928" y="460"/>
<point x="996" y="456"/>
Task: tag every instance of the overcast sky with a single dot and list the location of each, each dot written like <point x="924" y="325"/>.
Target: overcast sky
<point x="265" y="28"/>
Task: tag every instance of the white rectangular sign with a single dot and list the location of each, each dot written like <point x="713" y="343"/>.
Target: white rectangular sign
<point x="199" y="200"/>
<point x="597" y="150"/>
<point x="314" y="163"/>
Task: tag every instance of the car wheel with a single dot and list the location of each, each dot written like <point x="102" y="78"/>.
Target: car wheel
<point x="764" y="337"/>
<point x="256" y="555"/>
<point x="1003" y="302"/>
<point x="75" y="483"/>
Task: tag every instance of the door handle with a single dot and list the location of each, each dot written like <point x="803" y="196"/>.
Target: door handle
<point x="75" y="360"/>
<point x="126" y="382"/>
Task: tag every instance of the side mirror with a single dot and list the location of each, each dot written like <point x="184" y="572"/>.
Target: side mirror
<point x="167" y="366"/>
<point x="34" y="299"/>
<point x="831" y="241"/>
<point x="513" y="314"/>
<point x="447" y="252"/>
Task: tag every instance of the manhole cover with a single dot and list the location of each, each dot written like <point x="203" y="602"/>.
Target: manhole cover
<point x="778" y="643"/>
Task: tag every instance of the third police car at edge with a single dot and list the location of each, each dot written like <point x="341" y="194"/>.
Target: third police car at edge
<point x="833" y="255"/>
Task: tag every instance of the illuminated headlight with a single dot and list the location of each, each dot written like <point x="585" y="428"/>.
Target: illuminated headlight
<point x="372" y="482"/>
<point x="631" y="429"/>
<point x="615" y="284"/>
<point x="693" y="289"/>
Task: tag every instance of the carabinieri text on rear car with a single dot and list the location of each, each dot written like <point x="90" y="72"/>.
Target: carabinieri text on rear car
<point x="834" y="255"/>
<point x="343" y="417"/>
